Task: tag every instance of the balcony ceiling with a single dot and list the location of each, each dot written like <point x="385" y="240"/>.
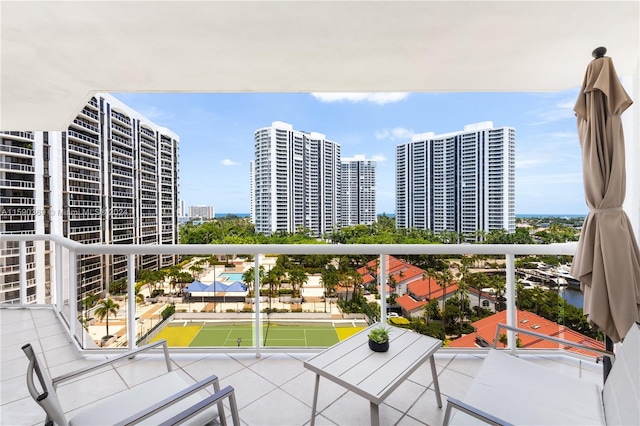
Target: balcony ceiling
<point x="56" y="53"/>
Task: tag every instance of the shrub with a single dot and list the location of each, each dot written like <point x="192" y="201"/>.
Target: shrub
<point x="399" y="321"/>
<point x="168" y="311"/>
<point x="157" y="292"/>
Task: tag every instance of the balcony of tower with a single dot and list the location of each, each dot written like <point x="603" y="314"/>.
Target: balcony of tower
<point x="148" y="134"/>
<point x="83" y="136"/>
<point x="84" y="124"/>
<point x="121" y="118"/>
<point x="17" y="148"/>
<point x="90" y="114"/>
<point x="83" y="149"/>
<point x="122" y="140"/>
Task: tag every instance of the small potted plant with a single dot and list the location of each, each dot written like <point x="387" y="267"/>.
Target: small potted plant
<point x="379" y="338"/>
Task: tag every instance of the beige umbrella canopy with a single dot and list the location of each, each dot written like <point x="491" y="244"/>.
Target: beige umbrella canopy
<point x="607" y="260"/>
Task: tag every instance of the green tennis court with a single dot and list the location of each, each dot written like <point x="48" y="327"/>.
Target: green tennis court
<point x="193" y="334"/>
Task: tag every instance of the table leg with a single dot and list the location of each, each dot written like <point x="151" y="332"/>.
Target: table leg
<point x="375" y="414"/>
<point x="315" y="401"/>
<point x="436" y="384"/>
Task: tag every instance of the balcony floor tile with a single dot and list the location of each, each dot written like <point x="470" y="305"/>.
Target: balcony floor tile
<point x="274" y="389"/>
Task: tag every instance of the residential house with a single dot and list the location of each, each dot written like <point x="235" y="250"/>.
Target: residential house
<point x="485" y="332"/>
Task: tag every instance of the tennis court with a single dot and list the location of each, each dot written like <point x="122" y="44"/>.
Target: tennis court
<point x="202" y="334"/>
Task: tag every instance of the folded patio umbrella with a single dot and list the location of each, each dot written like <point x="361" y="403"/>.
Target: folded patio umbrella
<point x="607" y="260"/>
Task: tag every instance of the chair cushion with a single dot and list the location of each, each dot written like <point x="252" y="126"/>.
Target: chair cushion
<point x="524" y="393"/>
<point x="622" y="389"/>
<point x="118" y="407"/>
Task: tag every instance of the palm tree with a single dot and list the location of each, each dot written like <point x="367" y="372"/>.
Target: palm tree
<point x="499" y="284"/>
<point x="88" y="302"/>
<point x="139" y="296"/>
<point x="151" y="278"/>
<point x="537" y="295"/>
<point x="330" y="279"/>
<point x="182" y="279"/>
<point x="272" y="279"/>
<point x="298" y="277"/>
<point x="443" y="278"/>
<point x="249" y="277"/>
<point x="463" y="296"/>
<point x="464" y="280"/>
<point x="479" y="281"/>
<point x="195" y="271"/>
<point x="105" y="308"/>
<point x="172" y="273"/>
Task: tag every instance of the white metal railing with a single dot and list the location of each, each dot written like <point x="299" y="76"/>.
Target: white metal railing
<point x="74" y="249"/>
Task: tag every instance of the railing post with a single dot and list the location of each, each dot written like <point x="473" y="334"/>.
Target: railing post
<point x="59" y="293"/>
<point x="73" y="292"/>
<point x="131" y="305"/>
<point x="23" y="272"/>
<point x="511" y="300"/>
<point x="256" y="280"/>
<point x="382" y="279"/>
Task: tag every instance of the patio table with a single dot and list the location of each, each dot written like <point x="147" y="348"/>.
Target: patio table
<point x="374" y="375"/>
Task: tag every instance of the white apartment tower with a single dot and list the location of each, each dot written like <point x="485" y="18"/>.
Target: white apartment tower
<point x="461" y="181"/>
<point x="112" y="177"/>
<point x="357" y="191"/>
<point x="202" y="212"/>
<point x="295" y="181"/>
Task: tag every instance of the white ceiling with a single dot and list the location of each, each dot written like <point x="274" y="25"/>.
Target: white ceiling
<point x="54" y="54"/>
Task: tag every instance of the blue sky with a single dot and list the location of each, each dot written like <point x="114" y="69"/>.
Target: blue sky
<point x="216" y="137"/>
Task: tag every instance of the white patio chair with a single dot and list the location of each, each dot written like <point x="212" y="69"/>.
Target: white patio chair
<point x="165" y="400"/>
<point x="511" y="391"/>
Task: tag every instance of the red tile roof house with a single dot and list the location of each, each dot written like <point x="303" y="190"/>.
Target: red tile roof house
<point x="486" y="331"/>
<point x="421" y="291"/>
<point x="401" y="272"/>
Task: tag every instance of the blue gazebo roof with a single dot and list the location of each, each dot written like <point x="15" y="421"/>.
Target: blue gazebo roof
<point x="195" y="286"/>
<point x="237" y="287"/>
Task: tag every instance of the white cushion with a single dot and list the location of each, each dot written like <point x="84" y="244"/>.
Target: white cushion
<point x="118" y="407"/>
<point x="622" y="389"/>
<point x="524" y="393"/>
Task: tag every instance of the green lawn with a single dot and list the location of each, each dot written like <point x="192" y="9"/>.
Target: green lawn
<point x="274" y="335"/>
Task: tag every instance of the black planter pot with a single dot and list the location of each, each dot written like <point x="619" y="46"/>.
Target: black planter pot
<point x="378" y="347"/>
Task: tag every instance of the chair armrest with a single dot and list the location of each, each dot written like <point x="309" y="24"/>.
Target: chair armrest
<point x="550" y="338"/>
<point x="472" y="411"/>
<point x="129" y="354"/>
<point x="227" y="392"/>
<point x="170" y="400"/>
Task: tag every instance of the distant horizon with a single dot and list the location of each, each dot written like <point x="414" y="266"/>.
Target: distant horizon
<point x="529" y="215"/>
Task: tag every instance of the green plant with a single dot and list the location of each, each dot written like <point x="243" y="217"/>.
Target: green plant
<point x="380" y="334"/>
<point x="168" y="311"/>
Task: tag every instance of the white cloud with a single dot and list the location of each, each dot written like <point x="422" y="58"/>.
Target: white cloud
<point x="227" y="162"/>
<point x="379" y="158"/>
<point x="397" y="133"/>
<point x="562" y="109"/>
<point x="376" y="98"/>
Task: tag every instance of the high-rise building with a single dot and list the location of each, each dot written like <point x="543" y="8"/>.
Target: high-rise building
<point x="202" y="212"/>
<point x="462" y="181"/>
<point x="295" y="181"/>
<point x="357" y="191"/>
<point x="112" y="177"/>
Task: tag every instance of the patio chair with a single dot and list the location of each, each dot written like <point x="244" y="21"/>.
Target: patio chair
<point x="165" y="400"/>
<point x="510" y="390"/>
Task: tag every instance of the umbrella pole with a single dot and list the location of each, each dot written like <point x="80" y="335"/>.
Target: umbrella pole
<point x="606" y="361"/>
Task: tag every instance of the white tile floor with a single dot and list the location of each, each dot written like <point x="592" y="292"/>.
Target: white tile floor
<point x="275" y="389"/>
